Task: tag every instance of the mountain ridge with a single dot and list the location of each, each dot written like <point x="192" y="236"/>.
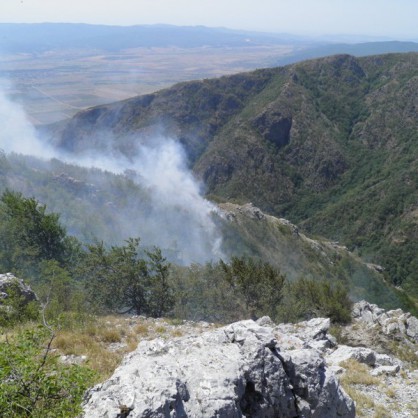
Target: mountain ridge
<point x="308" y="141"/>
<point x="98" y="206"/>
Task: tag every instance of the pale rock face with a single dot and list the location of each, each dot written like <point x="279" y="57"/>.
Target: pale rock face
<point x="395" y="323"/>
<point x="412" y="327"/>
<point x="360" y="354"/>
<point x="386" y="370"/>
<point x="313" y="382"/>
<point x="232" y="372"/>
<point x="386" y="360"/>
<point x="306" y="334"/>
<point x="8" y="280"/>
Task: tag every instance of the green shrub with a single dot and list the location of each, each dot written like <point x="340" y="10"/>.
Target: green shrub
<point x="16" y="309"/>
<point x="32" y="381"/>
<point x="308" y="298"/>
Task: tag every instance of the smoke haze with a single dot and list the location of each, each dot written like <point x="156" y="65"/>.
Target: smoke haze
<point x="177" y="218"/>
<point x="16" y="133"/>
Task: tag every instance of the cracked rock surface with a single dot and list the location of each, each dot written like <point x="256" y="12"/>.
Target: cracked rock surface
<point x="236" y="371"/>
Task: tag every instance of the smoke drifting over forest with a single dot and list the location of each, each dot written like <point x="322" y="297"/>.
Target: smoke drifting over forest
<point x="177" y="217"/>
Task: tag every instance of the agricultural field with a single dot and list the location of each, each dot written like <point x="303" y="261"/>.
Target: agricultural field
<point x="54" y="85"/>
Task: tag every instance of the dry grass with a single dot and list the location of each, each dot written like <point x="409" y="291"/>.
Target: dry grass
<point x="99" y="357"/>
<point x="381" y="412"/>
<point x="177" y="333"/>
<point x="141" y="329"/>
<point x="175" y="321"/>
<point x="413" y="407"/>
<point x="70" y="342"/>
<point x="111" y="336"/>
<point x="405" y="353"/>
<point x="93" y="341"/>
<point x="357" y="374"/>
<point x="160" y="329"/>
<point x="131" y="343"/>
<point x="363" y="402"/>
<point x="105" y="340"/>
<point x="390" y="392"/>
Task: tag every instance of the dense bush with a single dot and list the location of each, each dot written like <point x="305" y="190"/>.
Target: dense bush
<point x="32" y="381"/>
<point x="15" y="308"/>
<point x="126" y="277"/>
<point x="71" y="280"/>
<point x="202" y="293"/>
<point x="249" y="288"/>
<point x="259" y="285"/>
<point x="30" y="235"/>
<point x="307" y="298"/>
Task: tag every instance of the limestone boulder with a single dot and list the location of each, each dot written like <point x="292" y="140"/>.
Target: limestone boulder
<point x="10" y="284"/>
<point x="395" y="323"/>
<point x="231" y="372"/>
<point x="306" y="334"/>
<point x="360" y="354"/>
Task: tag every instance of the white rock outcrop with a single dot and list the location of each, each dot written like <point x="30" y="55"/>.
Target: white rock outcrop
<point x="10" y="282"/>
<point x="395" y="323"/>
<point x="231" y="372"/>
<point x="360" y="354"/>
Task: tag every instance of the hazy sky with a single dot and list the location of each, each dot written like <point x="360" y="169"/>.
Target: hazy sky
<point x="393" y="18"/>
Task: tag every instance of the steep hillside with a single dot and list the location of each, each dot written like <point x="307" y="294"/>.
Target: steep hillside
<point x="331" y="144"/>
<point x="249" y="231"/>
<point x="95" y="205"/>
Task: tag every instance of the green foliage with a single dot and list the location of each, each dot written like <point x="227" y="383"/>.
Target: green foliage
<point x="119" y="277"/>
<point x="16" y="309"/>
<point x="307" y="298"/>
<point x="90" y="202"/>
<point x="161" y="298"/>
<point x="29" y="234"/>
<point x="32" y="381"/>
<point x="33" y="226"/>
<point x="259" y="284"/>
<point x="348" y="173"/>
<point x="246" y="287"/>
<point x="203" y="294"/>
<point x="59" y="292"/>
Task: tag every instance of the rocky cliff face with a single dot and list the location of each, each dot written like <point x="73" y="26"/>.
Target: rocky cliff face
<point x="396" y="323"/>
<point x="260" y="369"/>
<point x="237" y="371"/>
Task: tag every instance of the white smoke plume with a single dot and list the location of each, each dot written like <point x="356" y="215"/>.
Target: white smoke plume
<point x="16" y="133"/>
<point x="180" y="216"/>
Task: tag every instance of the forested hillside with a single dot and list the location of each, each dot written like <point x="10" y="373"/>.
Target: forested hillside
<point x="330" y="144"/>
<point x="96" y="207"/>
<point x="105" y="219"/>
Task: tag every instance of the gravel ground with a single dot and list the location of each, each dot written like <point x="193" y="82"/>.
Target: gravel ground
<point x="395" y="397"/>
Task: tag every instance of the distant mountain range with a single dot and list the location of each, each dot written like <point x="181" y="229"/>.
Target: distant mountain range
<point x="330" y="144"/>
<point x="46" y="36"/>
<point x="37" y="38"/>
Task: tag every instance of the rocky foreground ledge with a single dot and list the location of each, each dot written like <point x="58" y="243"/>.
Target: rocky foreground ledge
<point x="261" y="370"/>
<point x="246" y="369"/>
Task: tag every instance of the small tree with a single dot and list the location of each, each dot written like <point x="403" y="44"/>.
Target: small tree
<point x="29" y="235"/>
<point x="160" y="295"/>
<point x="259" y="283"/>
<point x="308" y="298"/>
<point x="59" y="291"/>
<point x="119" y="278"/>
